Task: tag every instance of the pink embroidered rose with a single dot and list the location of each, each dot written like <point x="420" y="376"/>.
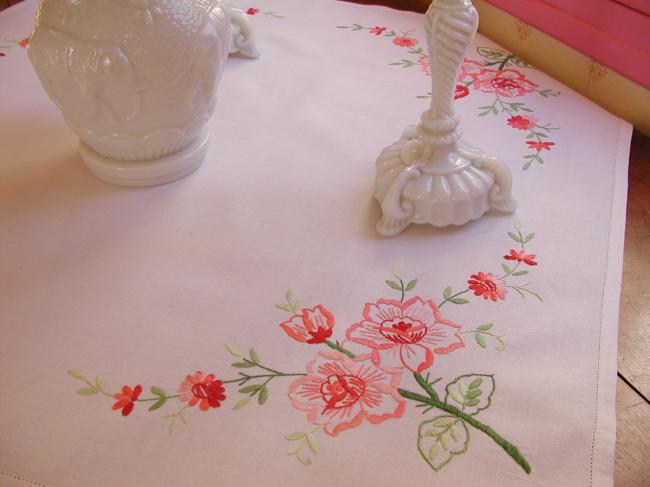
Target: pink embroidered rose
<point x="126" y="399"/>
<point x="202" y="389"/>
<point x="377" y="30"/>
<point x="508" y="83"/>
<point x="468" y="70"/>
<point x="521" y="256"/>
<point x="405" y="41"/>
<point x="484" y="284"/>
<point x="522" y="122"/>
<point x="339" y="393"/>
<point x="425" y="64"/>
<point x="539" y="146"/>
<point x="311" y="326"/>
<point x="405" y="334"/>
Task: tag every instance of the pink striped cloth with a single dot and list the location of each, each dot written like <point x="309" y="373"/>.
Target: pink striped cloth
<point x="615" y="33"/>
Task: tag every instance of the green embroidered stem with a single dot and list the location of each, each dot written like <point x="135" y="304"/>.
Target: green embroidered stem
<point x="505" y="61"/>
<point x="509" y="448"/>
<point x="452" y="297"/>
<point x="241" y="380"/>
<point x="424" y="384"/>
<point x="502" y="344"/>
<point x="338" y="348"/>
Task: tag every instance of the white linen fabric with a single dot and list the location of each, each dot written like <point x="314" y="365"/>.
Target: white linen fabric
<point x="517" y="316"/>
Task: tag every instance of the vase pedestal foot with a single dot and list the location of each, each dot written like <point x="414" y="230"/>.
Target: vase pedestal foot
<point x="150" y="172"/>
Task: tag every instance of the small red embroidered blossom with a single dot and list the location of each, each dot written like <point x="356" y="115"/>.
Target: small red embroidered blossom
<point x="538" y="146"/>
<point x="520" y="122"/>
<point x="126" y="399"/>
<point x="461" y="92"/>
<point x="24" y="42"/>
<point x="521" y="256"/>
<point x="205" y="390"/>
<point x="405" y="41"/>
<point x="252" y="11"/>
<point x="2" y="54"/>
<point x="377" y="30"/>
<point x="484" y="284"/>
<point x="311" y="326"/>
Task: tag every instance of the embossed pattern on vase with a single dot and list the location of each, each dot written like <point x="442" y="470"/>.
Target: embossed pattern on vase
<point x="143" y="72"/>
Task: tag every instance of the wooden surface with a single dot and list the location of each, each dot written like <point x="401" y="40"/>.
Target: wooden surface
<point x="632" y="468"/>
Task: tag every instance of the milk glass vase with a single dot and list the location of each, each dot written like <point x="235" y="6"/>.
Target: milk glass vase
<point x="136" y="80"/>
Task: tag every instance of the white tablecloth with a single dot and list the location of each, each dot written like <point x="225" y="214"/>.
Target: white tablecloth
<point x="511" y="325"/>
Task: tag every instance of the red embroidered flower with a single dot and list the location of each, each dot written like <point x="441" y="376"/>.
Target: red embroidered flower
<point x="504" y="82"/>
<point x="484" y="284"/>
<point x="538" y="146"/>
<point x="205" y="390"/>
<point x="525" y="122"/>
<point x="2" y="54"/>
<point x="461" y="92"/>
<point x="339" y="392"/>
<point x="252" y="11"/>
<point x="405" y="41"/>
<point x="126" y="399"/>
<point x="425" y="64"/>
<point x="377" y="30"/>
<point x="405" y="334"/>
<point x="521" y="256"/>
<point x="24" y="42"/>
<point x="311" y="326"/>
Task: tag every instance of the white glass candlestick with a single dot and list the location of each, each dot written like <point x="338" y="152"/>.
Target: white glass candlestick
<point x="429" y="175"/>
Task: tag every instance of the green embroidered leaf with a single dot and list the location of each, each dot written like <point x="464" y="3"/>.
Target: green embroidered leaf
<point x="288" y="295"/>
<point x="480" y="340"/>
<point x="447" y="293"/>
<point x="472" y="393"/>
<point x="241" y="403"/>
<point x="88" y="391"/>
<point x="441" y="439"/>
<point x="158" y="404"/>
<point x="506" y="269"/>
<point x="263" y="395"/>
<point x="411" y="284"/>
<point x="311" y="441"/>
<point x="243" y="365"/>
<point x="520" y="273"/>
<point x="394" y="285"/>
<point x="249" y="389"/>
<point x="514" y="237"/>
<point x="99" y="382"/>
<point x="459" y="301"/>
<point x="233" y="350"/>
<point x="298" y="435"/>
<point x="76" y="374"/>
<point x="491" y="53"/>
<point x="527" y="165"/>
<point x="253" y="355"/>
<point x="283" y="307"/>
<point x="486" y="327"/>
<point x="157" y="391"/>
<point x="529" y="237"/>
<point x="517" y="224"/>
